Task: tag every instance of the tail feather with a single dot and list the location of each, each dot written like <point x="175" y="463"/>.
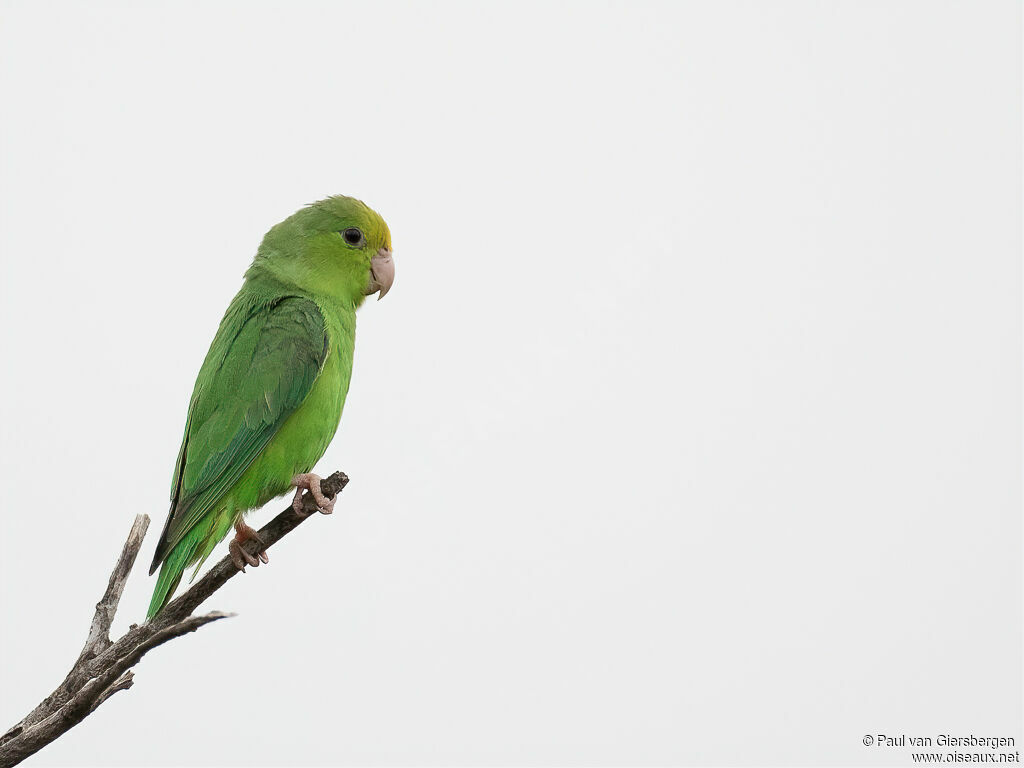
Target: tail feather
<point x="193" y="549"/>
<point x="166" y="583"/>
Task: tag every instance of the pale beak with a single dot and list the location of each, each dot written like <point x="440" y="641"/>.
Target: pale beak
<point x="382" y="273"/>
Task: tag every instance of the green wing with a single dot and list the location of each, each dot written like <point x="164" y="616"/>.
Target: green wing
<point x="259" y="370"/>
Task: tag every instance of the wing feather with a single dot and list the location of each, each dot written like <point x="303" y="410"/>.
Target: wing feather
<point x="259" y="370"/>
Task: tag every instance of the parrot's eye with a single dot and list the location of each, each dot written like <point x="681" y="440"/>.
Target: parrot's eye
<point x="352" y="236"/>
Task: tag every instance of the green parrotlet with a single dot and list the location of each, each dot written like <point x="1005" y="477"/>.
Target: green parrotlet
<point x="269" y="395"/>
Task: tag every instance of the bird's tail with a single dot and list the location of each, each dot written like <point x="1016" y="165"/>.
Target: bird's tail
<point x="191" y="550"/>
<point x="170" y="575"/>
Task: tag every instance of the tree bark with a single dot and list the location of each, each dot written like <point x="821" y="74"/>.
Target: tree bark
<point x="104" y="667"/>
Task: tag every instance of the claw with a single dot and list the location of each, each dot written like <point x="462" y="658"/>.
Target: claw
<point x="239" y="556"/>
<point x="297" y="502"/>
<point x="309" y="481"/>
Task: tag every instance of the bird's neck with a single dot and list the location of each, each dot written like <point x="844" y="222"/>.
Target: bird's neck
<point x="268" y="277"/>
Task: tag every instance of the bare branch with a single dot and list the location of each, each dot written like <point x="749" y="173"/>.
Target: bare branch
<point x="123" y="683"/>
<point x="97" y="640"/>
<point x="103" y="668"/>
<point x="99" y="633"/>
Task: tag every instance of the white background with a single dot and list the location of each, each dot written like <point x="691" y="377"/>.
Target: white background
<point x="690" y="432"/>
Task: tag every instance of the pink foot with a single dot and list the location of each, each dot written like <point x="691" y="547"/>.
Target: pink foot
<point x="238" y="555"/>
<point x="309" y="481"/>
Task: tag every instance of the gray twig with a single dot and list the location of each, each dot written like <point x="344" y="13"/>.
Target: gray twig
<point x="104" y="667"/>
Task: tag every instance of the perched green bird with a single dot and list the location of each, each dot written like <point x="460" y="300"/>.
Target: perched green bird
<point x="269" y="395"/>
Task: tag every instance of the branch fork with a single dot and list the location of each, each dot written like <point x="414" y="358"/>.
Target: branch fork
<point x="104" y="666"/>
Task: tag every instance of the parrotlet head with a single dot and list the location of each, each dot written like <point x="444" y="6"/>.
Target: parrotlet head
<point x="338" y="247"/>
